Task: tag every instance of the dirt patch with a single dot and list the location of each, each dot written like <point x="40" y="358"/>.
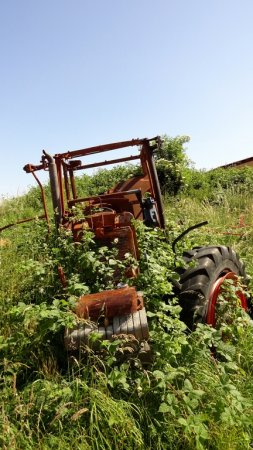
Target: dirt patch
<point x="4" y="242"/>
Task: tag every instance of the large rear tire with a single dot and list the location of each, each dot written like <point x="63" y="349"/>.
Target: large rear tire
<point x="202" y="282"/>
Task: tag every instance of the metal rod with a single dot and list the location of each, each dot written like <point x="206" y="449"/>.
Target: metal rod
<point x="103" y="148"/>
<point x="102" y="196"/>
<point x="66" y="180"/>
<point x="21" y="221"/>
<point x="193" y="227"/>
<point x="72" y="182"/>
<point x="106" y="163"/>
<point x="54" y="188"/>
<point x="155" y="182"/>
<point x="42" y="191"/>
<point x="60" y="185"/>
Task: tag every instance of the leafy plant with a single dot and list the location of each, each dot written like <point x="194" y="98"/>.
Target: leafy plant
<point x="197" y="391"/>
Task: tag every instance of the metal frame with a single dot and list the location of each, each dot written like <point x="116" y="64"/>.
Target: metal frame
<point x="63" y="166"/>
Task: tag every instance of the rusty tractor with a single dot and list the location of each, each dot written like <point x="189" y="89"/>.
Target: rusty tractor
<point x="110" y="217"/>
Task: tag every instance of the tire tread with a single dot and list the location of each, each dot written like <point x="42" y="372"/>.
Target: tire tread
<point x="196" y="282"/>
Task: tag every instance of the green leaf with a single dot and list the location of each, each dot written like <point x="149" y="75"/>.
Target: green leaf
<point x="182" y="421"/>
<point x="164" y="408"/>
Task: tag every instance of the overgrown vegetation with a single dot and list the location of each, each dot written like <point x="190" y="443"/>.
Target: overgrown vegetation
<point x="197" y="393"/>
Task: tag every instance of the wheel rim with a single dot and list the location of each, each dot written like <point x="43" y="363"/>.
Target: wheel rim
<point x="216" y="291"/>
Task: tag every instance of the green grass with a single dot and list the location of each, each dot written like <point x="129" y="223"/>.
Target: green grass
<point x="189" y="398"/>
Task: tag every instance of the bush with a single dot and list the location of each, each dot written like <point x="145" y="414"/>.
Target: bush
<point x="171" y="161"/>
<point x="213" y="185"/>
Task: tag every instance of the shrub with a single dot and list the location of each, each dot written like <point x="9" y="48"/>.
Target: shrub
<point x="171" y="161"/>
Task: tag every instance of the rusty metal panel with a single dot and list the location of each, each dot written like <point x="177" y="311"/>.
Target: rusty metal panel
<point x="108" y="304"/>
<point x="123" y="238"/>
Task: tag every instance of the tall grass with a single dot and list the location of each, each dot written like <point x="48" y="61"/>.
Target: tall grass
<point x="197" y="393"/>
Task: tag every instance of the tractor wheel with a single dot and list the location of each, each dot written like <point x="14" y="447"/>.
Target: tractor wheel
<point x="202" y="282"/>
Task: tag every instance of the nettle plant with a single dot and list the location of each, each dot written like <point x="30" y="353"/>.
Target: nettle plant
<point x="88" y="268"/>
<point x="45" y="306"/>
<point x="189" y="395"/>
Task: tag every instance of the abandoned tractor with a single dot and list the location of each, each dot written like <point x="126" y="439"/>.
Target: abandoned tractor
<point x="110" y="217"/>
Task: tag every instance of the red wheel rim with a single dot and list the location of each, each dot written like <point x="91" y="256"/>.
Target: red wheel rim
<point x="216" y="290"/>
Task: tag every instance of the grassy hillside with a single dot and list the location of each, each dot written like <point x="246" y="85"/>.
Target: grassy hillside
<point x="197" y="394"/>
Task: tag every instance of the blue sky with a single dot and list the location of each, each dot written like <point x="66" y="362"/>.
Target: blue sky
<point x="79" y="73"/>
